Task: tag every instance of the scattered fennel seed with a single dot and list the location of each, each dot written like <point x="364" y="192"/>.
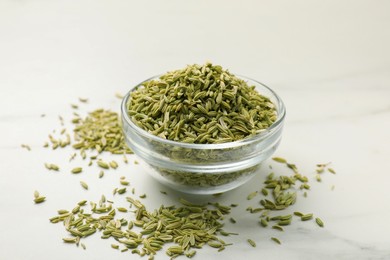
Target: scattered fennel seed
<point x="232" y="220"/>
<point x="136" y="162"/>
<point x="39" y="199"/>
<point x="279" y="160"/>
<point x="101" y="174"/>
<point x="319" y="222"/>
<point x="36" y="194"/>
<point x="103" y="165"/>
<point x="84" y="185"/>
<point x="124" y="182"/>
<point x="307" y="217"/>
<point x="251" y="195"/>
<point x="276" y="240"/>
<point x="263" y="222"/>
<point x="143" y="196"/>
<point x="83" y="246"/>
<point x="113" y="164"/>
<point x="26" y="147"/>
<point x="277" y="227"/>
<point x="299" y="214"/>
<point x="251" y="242"/>
<point x="83" y="100"/>
<point x="121" y="191"/>
<point x="115" y="246"/>
<point x="77" y="170"/>
<point x="331" y="170"/>
<point x="51" y="166"/>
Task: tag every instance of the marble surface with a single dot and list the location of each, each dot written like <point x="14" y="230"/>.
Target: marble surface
<point x="328" y="60"/>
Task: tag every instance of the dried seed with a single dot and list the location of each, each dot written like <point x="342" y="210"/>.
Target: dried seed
<point x="319" y="222"/>
<point x="276" y="240"/>
<point x="26" y="147"/>
<point x="143" y="196"/>
<point x="113" y="164"/>
<point x="84" y="185"/>
<point x="39" y="199"/>
<point x="36" y="194"/>
<point x="103" y="165"/>
<point x="121" y="191"/>
<point x="331" y="170"/>
<point x="122" y="209"/>
<point x="83" y="100"/>
<point x="125" y="183"/>
<point x="263" y="222"/>
<point x="251" y="242"/>
<point x="279" y="160"/>
<point x="306" y="217"/>
<point x="115" y="246"/>
<point x="77" y="170"/>
<point x="232" y="220"/>
<point x="251" y="195"/>
<point x="69" y="240"/>
<point x="278" y="228"/>
<point x="101" y="174"/>
<point x="299" y="214"/>
<point x="83" y="246"/>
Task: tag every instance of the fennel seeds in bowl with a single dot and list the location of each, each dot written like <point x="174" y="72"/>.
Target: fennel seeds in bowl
<point x="202" y="127"/>
<point x="200" y="104"/>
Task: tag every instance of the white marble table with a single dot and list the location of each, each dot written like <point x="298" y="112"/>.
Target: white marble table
<point x="329" y="61"/>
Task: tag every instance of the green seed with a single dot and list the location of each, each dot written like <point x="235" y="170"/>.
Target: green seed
<point x="84" y="185"/>
<point x="77" y="170"/>
<point x="331" y="170"/>
<point x="306" y="217"/>
<point x="319" y="222"/>
<point x="122" y="209"/>
<point x="113" y="164"/>
<point x="121" y="191"/>
<point x="103" y="165"/>
<point x="279" y="160"/>
<point x="263" y="222"/>
<point x="233" y="220"/>
<point x="26" y="147"/>
<point x="143" y="196"/>
<point x="39" y="199"/>
<point x="251" y="195"/>
<point x="277" y="227"/>
<point x="101" y="174"/>
<point x="69" y="240"/>
<point x="114" y="246"/>
<point x="276" y="240"/>
<point x="83" y="246"/>
<point x="251" y="242"/>
<point x="299" y="214"/>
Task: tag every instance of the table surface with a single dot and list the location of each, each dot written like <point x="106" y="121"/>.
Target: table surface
<point x="328" y="60"/>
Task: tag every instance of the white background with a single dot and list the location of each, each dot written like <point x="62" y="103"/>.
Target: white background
<point x="328" y="60"/>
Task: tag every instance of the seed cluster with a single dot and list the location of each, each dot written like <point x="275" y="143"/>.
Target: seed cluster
<point x="100" y="130"/>
<point x="200" y="104"/>
<point x="189" y="226"/>
<point x="283" y="195"/>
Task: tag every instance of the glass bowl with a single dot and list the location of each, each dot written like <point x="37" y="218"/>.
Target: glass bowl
<point x="204" y="168"/>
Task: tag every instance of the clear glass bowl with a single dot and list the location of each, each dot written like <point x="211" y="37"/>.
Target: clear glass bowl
<point x="204" y="168"/>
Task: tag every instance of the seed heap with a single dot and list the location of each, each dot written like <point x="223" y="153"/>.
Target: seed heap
<point x="100" y="130"/>
<point x="283" y="196"/>
<point x="200" y="104"/>
<point x="189" y="226"/>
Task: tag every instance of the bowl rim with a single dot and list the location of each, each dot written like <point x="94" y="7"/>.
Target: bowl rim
<point x="238" y="143"/>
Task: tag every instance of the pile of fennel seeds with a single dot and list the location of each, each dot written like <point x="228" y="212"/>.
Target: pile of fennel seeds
<point x="202" y="104"/>
<point x="99" y="131"/>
